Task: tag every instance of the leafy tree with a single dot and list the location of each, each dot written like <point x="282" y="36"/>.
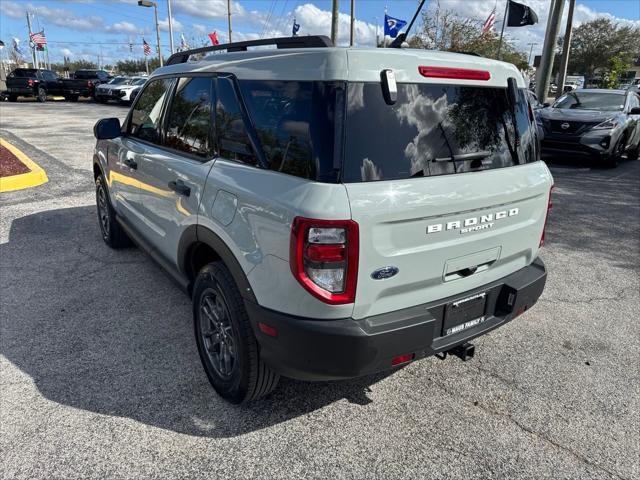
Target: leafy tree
<point x="446" y="30"/>
<point x="615" y="71"/>
<point x="595" y="44"/>
<point x="132" y="67"/>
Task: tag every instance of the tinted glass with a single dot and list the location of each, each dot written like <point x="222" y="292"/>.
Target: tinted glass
<point x="145" y="116"/>
<point x="24" y="72"/>
<point x="85" y="74"/>
<point x="233" y="140"/>
<point x="294" y="122"/>
<point x="190" y="119"/>
<point x="119" y="81"/>
<point x="433" y="130"/>
<point x="591" y="101"/>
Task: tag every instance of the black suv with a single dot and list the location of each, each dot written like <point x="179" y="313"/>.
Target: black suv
<point x="33" y="82"/>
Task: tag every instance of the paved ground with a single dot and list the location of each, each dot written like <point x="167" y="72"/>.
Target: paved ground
<point x="100" y="377"/>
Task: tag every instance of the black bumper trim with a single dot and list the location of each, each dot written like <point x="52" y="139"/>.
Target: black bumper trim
<point x="308" y="349"/>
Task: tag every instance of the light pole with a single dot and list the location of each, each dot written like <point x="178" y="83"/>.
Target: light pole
<point x="532" y="44"/>
<point x="170" y="27"/>
<point x="149" y="3"/>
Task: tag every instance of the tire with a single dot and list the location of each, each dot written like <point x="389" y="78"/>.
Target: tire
<point x="633" y="154"/>
<point x="112" y="233"/>
<point x="616" y="154"/>
<point x="71" y="98"/>
<point x="41" y="95"/>
<point x="13" y="98"/>
<point x="221" y="325"/>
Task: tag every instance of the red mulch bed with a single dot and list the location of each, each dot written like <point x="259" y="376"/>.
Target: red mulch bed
<point x="9" y="164"/>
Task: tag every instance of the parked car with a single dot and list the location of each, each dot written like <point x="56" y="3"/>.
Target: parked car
<point x="602" y="124"/>
<point x="123" y="92"/>
<point x="535" y="106"/>
<point x="635" y="86"/>
<point x="83" y="83"/>
<point x="329" y="222"/>
<point x="105" y="91"/>
<point x="33" y="82"/>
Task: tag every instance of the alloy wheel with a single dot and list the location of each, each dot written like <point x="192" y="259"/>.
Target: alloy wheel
<point x="217" y="334"/>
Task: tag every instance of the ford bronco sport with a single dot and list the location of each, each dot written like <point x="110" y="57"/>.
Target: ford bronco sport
<point x="332" y="212"/>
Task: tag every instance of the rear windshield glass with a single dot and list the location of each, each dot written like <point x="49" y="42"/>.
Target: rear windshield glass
<point x="433" y="130"/>
<point x="591" y="101"/>
<point x="24" y="72"/>
<point x="85" y="74"/>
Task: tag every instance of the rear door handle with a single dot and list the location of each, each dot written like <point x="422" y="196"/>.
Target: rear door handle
<point x="179" y="187"/>
<point x="130" y="163"/>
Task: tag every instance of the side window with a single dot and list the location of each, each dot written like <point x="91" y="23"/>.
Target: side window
<point x="190" y="119"/>
<point x="146" y="115"/>
<point x="233" y="140"/>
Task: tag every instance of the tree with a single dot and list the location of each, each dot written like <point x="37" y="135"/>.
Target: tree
<point x="615" y="71"/>
<point x="594" y="44"/>
<point x="448" y="31"/>
<point x="132" y="67"/>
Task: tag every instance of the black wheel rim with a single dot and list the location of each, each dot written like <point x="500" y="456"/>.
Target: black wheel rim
<point x="103" y="211"/>
<point x="218" y="339"/>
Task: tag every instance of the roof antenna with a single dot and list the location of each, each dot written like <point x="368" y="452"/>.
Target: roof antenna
<point x="397" y="43"/>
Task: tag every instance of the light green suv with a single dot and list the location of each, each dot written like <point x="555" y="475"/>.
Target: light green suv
<point x="332" y="212"/>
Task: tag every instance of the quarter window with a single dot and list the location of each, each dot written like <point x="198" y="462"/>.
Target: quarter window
<point x="233" y="140"/>
<point x="146" y="115"/>
<point x="190" y="118"/>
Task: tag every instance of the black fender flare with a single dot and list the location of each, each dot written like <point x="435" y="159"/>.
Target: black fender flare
<point x="197" y="234"/>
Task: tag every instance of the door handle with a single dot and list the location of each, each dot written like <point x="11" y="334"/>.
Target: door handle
<point x="130" y="163"/>
<point x="180" y="188"/>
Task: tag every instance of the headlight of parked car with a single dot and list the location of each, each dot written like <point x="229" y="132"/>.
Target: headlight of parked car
<point x="606" y="125"/>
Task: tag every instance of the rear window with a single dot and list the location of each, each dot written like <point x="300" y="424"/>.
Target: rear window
<point x="24" y="72"/>
<point x="433" y="130"/>
<point x="591" y="101"/>
<point x="85" y="74"/>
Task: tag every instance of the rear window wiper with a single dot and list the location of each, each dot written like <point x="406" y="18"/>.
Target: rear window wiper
<point x="464" y="157"/>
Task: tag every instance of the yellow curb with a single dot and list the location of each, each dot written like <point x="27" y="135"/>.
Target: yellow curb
<point x="35" y="177"/>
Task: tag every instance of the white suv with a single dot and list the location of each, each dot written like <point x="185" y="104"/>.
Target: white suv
<point x="332" y="212"/>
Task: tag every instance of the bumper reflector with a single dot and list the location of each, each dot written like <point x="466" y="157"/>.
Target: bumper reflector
<point x="268" y="329"/>
<point x="402" y="359"/>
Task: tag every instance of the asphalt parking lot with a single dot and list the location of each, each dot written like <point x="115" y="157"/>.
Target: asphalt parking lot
<point x="100" y="376"/>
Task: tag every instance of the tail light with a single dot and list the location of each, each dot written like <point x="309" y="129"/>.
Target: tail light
<point x="89" y="84"/>
<point x="455" y="73"/>
<point x="324" y="258"/>
<point x="546" y="217"/>
<point x="30" y="82"/>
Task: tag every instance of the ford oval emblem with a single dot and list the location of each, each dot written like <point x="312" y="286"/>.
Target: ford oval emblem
<point x="384" y="272"/>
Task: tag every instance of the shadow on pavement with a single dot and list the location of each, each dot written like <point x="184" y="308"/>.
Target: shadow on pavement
<point x="107" y="332"/>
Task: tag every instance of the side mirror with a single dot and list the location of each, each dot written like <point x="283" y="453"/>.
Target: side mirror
<point x="107" y="128"/>
<point x="634" y="111"/>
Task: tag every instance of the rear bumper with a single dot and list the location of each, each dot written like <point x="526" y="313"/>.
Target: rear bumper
<point x="24" y="91"/>
<point x="309" y="349"/>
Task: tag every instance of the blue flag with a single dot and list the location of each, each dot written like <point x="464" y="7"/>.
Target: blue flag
<point x="392" y="26"/>
<point x="296" y="27"/>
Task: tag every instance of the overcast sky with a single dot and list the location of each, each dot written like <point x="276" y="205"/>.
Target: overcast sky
<point x="85" y="28"/>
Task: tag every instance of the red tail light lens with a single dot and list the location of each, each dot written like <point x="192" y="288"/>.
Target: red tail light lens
<point x="546" y="218"/>
<point x="89" y="84"/>
<point x="455" y="73"/>
<point x="30" y="83"/>
<point x="400" y="359"/>
<point x="324" y="258"/>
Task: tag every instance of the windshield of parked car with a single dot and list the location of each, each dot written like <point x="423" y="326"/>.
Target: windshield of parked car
<point x="139" y="81"/>
<point x="119" y="81"/>
<point x="433" y="129"/>
<point x="603" y="101"/>
<point x="24" y="73"/>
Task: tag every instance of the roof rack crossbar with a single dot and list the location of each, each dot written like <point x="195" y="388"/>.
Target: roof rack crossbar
<point x="311" y="41"/>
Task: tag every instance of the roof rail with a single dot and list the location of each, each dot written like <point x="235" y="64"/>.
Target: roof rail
<point x="310" y="41"/>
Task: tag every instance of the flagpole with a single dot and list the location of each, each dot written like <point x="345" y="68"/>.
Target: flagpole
<point x="504" y="22"/>
<point x="229" y="17"/>
<point x="33" y="51"/>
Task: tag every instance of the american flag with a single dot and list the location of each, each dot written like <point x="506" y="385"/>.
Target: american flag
<point x="489" y="22"/>
<point x="39" y="38"/>
<point x="146" y="48"/>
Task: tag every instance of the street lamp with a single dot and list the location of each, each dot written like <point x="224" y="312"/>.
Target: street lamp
<point x="149" y="3"/>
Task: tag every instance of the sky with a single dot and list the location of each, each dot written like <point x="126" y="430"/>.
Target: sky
<point x="103" y="29"/>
